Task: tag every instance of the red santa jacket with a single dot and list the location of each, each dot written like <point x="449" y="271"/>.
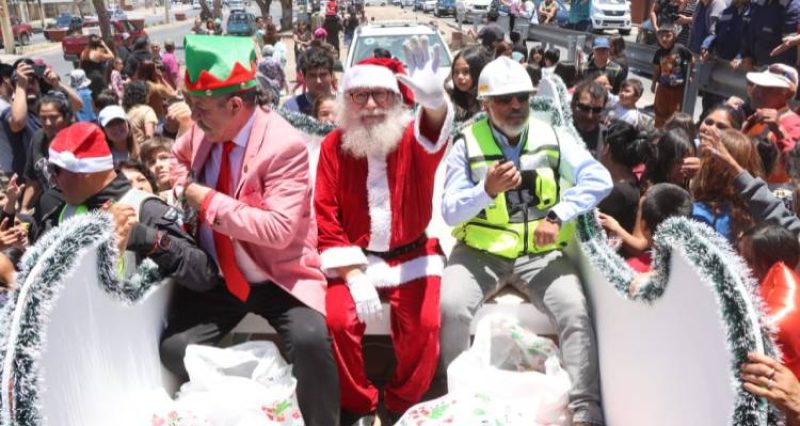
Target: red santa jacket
<point x="379" y="205"/>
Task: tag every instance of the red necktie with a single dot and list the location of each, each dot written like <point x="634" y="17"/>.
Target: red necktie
<point x="234" y="280"/>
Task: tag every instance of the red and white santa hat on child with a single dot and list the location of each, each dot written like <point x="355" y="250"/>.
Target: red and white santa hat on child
<point x="378" y="73"/>
<point x="81" y="148"/>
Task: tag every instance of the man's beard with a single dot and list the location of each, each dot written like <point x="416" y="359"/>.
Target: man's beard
<point x="373" y="140"/>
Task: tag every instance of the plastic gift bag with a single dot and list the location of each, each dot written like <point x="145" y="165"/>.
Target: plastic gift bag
<point x="243" y="385"/>
<point x="514" y="366"/>
<point x="463" y="410"/>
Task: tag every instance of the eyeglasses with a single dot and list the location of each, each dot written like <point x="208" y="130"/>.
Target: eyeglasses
<point x="51" y="172"/>
<point x="589" y="108"/>
<point x="361" y="98"/>
<point x="506" y="99"/>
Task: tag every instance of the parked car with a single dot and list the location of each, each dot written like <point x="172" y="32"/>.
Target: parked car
<point x="195" y="4"/>
<point x="22" y="32"/>
<point x="407" y="3"/>
<point x="241" y="23"/>
<point x="73" y="44"/>
<point x="611" y="15"/>
<point x="428" y="6"/>
<point x="237" y="5"/>
<point x="375" y="2"/>
<point x="396" y="2"/>
<point x="64" y="21"/>
<point x="391" y="36"/>
<point x="475" y="9"/>
<point x="445" y="7"/>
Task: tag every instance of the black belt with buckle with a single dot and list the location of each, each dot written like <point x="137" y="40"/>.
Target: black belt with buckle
<point x="408" y="248"/>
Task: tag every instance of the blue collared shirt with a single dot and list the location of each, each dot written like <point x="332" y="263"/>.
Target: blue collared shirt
<point x="590" y="181"/>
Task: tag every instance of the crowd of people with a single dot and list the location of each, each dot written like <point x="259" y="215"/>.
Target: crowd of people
<point x="222" y="182"/>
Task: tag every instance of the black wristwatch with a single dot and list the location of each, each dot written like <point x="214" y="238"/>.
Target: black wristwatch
<point x="552" y="217"/>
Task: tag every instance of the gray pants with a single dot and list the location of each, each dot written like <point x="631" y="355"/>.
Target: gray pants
<point x="553" y="286"/>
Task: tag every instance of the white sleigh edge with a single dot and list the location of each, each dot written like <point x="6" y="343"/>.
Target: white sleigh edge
<point x="81" y="347"/>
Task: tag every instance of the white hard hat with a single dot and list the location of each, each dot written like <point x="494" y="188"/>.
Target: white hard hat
<point x="503" y="76"/>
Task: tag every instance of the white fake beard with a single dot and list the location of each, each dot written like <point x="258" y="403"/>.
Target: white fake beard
<point x="376" y="140"/>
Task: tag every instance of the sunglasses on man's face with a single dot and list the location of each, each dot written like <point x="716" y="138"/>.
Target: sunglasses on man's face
<point x="52" y="172"/>
<point x="589" y="108"/>
<point x="506" y="99"/>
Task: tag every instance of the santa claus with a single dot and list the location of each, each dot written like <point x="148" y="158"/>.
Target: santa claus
<point x="373" y="202"/>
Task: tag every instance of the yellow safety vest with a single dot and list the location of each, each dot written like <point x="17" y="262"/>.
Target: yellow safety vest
<point x="495" y="230"/>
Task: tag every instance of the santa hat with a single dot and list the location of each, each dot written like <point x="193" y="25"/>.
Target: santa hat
<point x="374" y="75"/>
<point x="81" y="148"/>
<point x="219" y="64"/>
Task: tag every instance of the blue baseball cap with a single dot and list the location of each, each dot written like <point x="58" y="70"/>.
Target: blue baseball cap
<point x="601" y="43"/>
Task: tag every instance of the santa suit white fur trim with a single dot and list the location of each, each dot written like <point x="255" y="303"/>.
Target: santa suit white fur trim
<point x="380" y="205"/>
<point x="68" y="161"/>
<point x="444" y="132"/>
<point x="383" y="275"/>
<point x="338" y="257"/>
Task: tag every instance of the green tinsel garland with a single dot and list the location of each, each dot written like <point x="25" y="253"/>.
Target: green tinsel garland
<point x="718" y="265"/>
<point x="56" y="254"/>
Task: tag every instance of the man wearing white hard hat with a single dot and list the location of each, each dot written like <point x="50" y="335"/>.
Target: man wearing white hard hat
<point x="503" y="194"/>
<point x="373" y="201"/>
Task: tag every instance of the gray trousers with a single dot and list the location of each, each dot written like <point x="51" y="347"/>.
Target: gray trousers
<point x="553" y="286"/>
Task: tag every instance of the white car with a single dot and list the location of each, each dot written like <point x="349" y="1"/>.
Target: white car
<point x="391" y="36"/>
<point x="474" y="9"/>
<point x="611" y="15"/>
<point x="375" y="2"/>
<point x="428" y="6"/>
<point x="236" y="5"/>
<point x="195" y="4"/>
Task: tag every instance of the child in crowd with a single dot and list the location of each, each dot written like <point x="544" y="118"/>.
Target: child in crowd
<point x="536" y="56"/>
<point x="325" y="109"/>
<point x="139" y="176"/>
<point x="625" y="109"/>
<point x="155" y="154"/>
<point x="670" y="67"/>
<point x="766" y="244"/>
<point x="661" y="202"/>
<point x="81" y="84"/>
<point x="116" y="80"/>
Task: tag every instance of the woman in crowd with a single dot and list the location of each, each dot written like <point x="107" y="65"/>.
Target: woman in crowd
<point x="618" y="54"/>
<point x="716" y="200"/>
<point x="302" y="39"/>
<point x="138" y="175"/>
<point x="536" y="56"/>
<point x="157" y="86"/>
<point x="93" y="60"/>
<point x="621" y="153"/>
<point x="141" y="117"/>
<point x="55" y="113"/>
<point x="464" y="73"/>
<point x="118" y="132"/>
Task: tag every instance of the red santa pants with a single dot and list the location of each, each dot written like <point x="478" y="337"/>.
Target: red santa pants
<point x="414" y="318"/>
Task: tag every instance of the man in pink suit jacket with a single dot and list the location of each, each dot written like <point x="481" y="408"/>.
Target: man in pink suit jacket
<point x="246" y="170"/>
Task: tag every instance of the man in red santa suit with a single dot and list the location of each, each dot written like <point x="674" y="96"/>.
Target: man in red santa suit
<point x="373" y="200"/>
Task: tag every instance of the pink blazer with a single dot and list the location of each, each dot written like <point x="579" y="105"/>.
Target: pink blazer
<point x="269" y="216"/>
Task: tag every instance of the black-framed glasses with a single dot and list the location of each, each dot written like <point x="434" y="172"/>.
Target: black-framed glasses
<point x="589" y="108"/>
<point x="361" y="98"/>
<point x="521" y="97"/>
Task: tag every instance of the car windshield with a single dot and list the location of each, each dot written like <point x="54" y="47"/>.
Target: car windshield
<point x="63" y="20"/>
<point x="238" y="18"/>
<point x="394" y="44"/>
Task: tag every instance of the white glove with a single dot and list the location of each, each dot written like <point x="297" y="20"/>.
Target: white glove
<point x="365" y="296"/>
<point x="424" y="78"/>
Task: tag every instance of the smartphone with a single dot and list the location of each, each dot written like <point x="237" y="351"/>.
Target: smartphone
<point x="39" y="70"/>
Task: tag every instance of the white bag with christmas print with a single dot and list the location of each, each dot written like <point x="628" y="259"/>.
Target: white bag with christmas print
<point x="244" y="385"/>
<point x="513" y="365"/>
<point x="463" y="410"/>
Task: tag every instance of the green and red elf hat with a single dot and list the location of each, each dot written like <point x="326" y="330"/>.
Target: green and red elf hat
<point x="217" y="65"/>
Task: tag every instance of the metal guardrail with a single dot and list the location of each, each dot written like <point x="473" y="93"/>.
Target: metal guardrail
<point x="714" y="77"/>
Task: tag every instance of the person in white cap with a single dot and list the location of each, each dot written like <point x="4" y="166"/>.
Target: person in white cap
<point x="770" y="94"/>
<point x="373" y="197"/>
<point x="511" y="216"/>
<point x="118" y="132"/>
<point x="82" y="85"/>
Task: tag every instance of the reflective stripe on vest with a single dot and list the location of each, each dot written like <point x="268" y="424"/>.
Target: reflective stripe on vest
<point x="493" y="230"/>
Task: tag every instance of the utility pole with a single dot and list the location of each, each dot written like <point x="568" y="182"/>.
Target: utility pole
<point x="8" y="32"/>
<point x="167" y="6"/>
